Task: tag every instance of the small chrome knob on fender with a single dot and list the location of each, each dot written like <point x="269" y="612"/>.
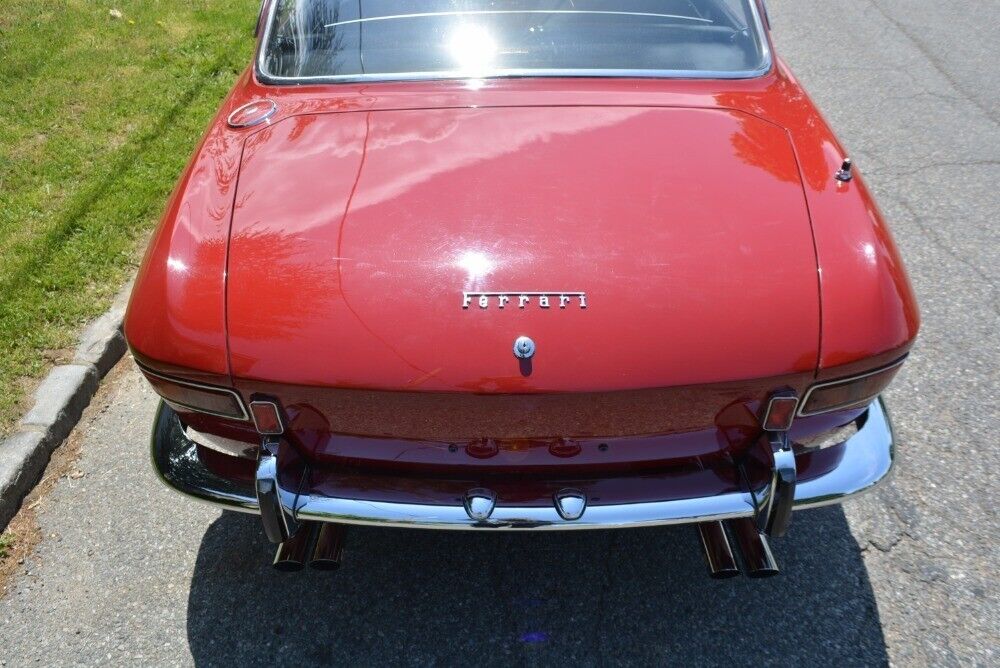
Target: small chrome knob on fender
<point x="570" y="504"/>
<point x="479" y="503"/>
<point x="846" y="172"/>
<point x="524" y="348"/>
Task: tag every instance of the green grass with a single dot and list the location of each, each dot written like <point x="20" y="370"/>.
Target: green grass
<point x="6" y="545"/>
<point x="98" y="116"/>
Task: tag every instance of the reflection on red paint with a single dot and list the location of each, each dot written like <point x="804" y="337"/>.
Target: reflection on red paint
<point x="321" y="259"/>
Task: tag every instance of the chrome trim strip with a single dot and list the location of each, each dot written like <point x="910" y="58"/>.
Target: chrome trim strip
<point x="417" y="516"/>
<point x="868" y="459"/>
<point x="424" y="15"/>
<point x="840" y="381"/>
<point x="767" y="62"/>
<point x="774" y="510"/>
<point x="200" y="386"/>
<point x="765" y="14"/>
<point x="512" y="73"/>
<point x="277" y="505"/>
<point x="261" y="15"/>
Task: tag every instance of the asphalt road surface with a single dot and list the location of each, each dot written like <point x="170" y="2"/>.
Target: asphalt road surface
<point x="130" y="573"/>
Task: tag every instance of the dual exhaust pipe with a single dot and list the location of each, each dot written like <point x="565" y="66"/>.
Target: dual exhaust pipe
<point x="758" y="562"/>
<point x="318" y="544"/>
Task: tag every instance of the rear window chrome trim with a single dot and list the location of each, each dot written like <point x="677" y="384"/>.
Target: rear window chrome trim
<point x="264" y="77"/>
<point x="422" y="15"/>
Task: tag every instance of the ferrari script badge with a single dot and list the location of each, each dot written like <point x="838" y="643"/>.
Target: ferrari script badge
<point x="524" y="299"/>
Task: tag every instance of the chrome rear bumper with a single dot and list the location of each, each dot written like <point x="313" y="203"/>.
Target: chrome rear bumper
<point x="867" y="459"/>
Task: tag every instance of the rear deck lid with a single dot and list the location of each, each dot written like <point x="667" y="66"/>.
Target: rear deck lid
<point x="357" y="237"/>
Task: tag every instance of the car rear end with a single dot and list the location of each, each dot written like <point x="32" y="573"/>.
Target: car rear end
<point x="386" y="248"/>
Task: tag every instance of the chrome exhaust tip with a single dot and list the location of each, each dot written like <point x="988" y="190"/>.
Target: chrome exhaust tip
<point x="717" y="550"/>
<point x="754" y="549"/>
<point x="291" y="555"/>
<point x="329" y="547"/>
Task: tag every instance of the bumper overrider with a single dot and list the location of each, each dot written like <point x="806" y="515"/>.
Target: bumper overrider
<point x="281" y="495"/>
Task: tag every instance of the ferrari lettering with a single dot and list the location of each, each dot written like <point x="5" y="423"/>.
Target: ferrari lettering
<point x="543" y="300"/>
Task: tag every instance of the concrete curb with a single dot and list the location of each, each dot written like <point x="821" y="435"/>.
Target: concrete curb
<point x="59" y="403"/>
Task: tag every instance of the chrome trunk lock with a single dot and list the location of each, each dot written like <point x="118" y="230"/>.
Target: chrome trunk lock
<point x="524" y="348"/>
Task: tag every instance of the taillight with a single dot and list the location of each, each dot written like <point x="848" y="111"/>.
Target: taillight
<point x="851" y="392"/>
<point x="267" y="417"/>
<point x="184" y="394"/>
<point x="780" y="413"/>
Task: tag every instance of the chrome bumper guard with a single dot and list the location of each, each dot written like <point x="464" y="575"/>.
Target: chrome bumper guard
<point x="867" y="459"/>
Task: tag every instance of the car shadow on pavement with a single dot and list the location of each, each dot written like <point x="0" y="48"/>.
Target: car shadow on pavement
<point x="589" y="598"/>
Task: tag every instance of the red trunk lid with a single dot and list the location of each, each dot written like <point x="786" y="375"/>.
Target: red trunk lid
<point x="355" y="236"/>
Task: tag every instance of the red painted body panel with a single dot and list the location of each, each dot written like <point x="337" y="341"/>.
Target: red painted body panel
<point x="721" y="258"/>
<point x="374" y="224"/>
<point x="463" y="415"/>
<point x="176" y="316"/>
<point x="868" y="302"/>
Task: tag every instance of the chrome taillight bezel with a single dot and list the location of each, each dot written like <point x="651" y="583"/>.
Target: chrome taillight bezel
<point x="847" y="381"/>
<point x="244" y="415"/>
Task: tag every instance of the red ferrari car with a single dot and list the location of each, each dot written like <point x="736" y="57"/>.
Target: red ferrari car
<point x="540" y="264"/>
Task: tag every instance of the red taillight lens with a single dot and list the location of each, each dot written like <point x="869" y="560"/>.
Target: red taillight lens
<point x="200" y="398"/>
<point x="849" y="392"/>
<point x="780" y="413"/>
<point x="266" y="417"/>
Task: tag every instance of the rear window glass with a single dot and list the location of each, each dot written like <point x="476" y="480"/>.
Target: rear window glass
<point x="395" y="39"/>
